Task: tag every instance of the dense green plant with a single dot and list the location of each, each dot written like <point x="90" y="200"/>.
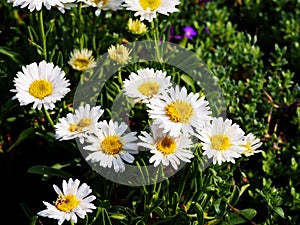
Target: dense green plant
<point x="250" y="46"/>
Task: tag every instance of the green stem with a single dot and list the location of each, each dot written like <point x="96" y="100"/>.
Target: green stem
<point x="42" y="33"/>
<point x="48" y="117"/>
<point x="80" y="27"/>
<point x="71" y="222"/>
<point x="155" y="30"/>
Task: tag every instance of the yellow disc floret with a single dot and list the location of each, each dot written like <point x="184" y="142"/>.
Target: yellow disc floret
<point x="220" y="142"/>
<point x="83" y="123"/>
<point x="149" y="88"/>
<point x="111" y="145"/>
<point x="167" y="145"/>
<point x="81" y="63"/>
<point x="40" y="89"/>
<point x="179" y="111"/>
<point x="67" y="203"/>
<point x="152" y="4"/>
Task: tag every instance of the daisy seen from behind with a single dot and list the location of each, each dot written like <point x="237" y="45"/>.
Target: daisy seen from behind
<point x="110" y="146"/>
<point x="82" y="60"/>
<point x="37" y="4"/>
<point x="252" y="143"/>
<point x="147" y="9"/>
<point x="80" y="124"/>
<point x="72" y="201"/>
<point x="222" y="141"/>
<point x="178" y="112"/>
<point x="145" y="84"/>
<point x="113" y="5"/>
<point x="165" y="148"/>
<point x="41" y="84"/>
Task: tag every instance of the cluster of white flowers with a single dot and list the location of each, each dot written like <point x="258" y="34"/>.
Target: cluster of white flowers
<point x="177" y="117"/>
<point x="146" y="9"/>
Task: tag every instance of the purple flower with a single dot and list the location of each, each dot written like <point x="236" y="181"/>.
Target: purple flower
<point x="206" y="29"/>
<point x="189" y="32"/>
<point x="173" y="36"/>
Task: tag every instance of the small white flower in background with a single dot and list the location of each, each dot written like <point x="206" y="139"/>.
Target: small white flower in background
<point x="136" y="26"/>
<point x="119" y="53"/>
<point x="37" y="4"/>
<point x="147" y="9"/>
<point x="72" y="201"/>
<point x="146" y="84"/>
<point x="251" y="143"/>
<point x="111" y="146"/>
<point x="113" y="5"/>
<point x="165" y="148"/>
<point x="80" y="124"/>
<point x="41" y="85"/>
<point x="178" y="112"/>
<point x="222" y="141"/>
<point x="82" y="60"/>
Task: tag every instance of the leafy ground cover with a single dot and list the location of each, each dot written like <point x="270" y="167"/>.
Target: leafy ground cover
<point x="250" y="47"/>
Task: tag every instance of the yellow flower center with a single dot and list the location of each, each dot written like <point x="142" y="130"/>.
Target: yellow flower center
<point x="166" y="145"/>
<point x="179" y="111"/>
<point x="112" y="145"/>
<point x="249" y="149"/>
<point x="83" y="123"/>
<point x="220" y="142"/>
<point x="149" y="88"/>
<point x="81" y="63"/>
<point x="104" y="2"/>
<point x="40" y="89"/>
<point x="152" y="4"/>
<point x="67" y="203"/>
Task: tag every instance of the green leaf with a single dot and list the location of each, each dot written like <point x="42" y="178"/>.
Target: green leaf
<point x="220" y="206"/>
<point x="200" y="214"/>
<point x="234" y="197"/>
<point x="244" y="189"/>
<point x="33" y="220"/>
<point x="25" y="134"/>
<point x="49" y="171"/>
<point x="118" y="216"/>
<point x="160" y="212"/>
<point x="188" y="80"/>
<point x="238" y="219"/>
<point x="26" y="210"/>
<point x="10" y="54"/>
<point x="279" y="211"/>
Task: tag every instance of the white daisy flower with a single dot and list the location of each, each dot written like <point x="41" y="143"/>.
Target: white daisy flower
<point x="110" y="146"/>
<point x="79" y="125"/>
<point x="178" y="112"/>
<point x="37" y="4"/>
<point x="113" y="5"/>
<point x="119" y="53"/>
<point x="82" y="60"/>
<point x="165" y="148"/>
<point x="41" y="85"/>
<point x="146" y="84"/>
<point x="147" y="9"/>
<point x="222" y="141"/>
<point x="251" y="143"/>
<point x="72" y="201"/>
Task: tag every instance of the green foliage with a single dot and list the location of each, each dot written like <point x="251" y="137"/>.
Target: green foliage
<point x="252" y="47"/>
